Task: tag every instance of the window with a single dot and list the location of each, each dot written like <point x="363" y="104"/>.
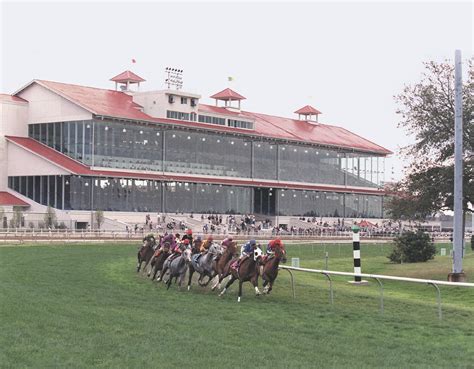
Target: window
<point x="193" y="102"/>
<point x="211" y="120"/>
<point x="171" y="99"/>
<point x="184" y="100"/>
<point x="239" y="124"/>
<point x="177" y="115"/>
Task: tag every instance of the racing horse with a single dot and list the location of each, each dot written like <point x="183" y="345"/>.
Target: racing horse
<point x="204" y="265"/>
<point x="270" y="268"/>
<point x="221" y="262"/>
<point x="158" y="260"/>
<point x="247" y="271"/>
<point x="146" y="251"/>
<point x="177" y="267"/>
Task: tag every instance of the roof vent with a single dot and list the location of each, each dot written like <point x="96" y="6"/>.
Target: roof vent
<point x="308" y="112"/>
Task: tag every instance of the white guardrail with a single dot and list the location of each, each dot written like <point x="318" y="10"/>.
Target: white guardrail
<point x="378" y="278"/>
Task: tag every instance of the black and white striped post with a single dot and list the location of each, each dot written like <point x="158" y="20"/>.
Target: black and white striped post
<point x="356" y="254"/>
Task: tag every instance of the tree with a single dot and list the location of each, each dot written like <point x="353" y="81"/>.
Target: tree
<point x="2" y="215"/>
<point x="99" y="217"/>
<point x="17" y="217"/>
<point x="412" y="247"/>
<point x="427" y="112"/>
<point x="50" y="218"/>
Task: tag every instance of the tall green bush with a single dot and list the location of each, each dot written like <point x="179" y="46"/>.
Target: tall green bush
<point x="412" y="247"/>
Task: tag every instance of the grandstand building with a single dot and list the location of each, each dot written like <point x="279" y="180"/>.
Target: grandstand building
<point x="123" y="150"/>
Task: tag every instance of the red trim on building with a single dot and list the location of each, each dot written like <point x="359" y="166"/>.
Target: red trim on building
<point x="74" y="167"/>
<point x="7" y="199"/>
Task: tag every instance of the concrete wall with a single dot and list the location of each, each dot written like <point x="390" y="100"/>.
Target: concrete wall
<point x="155" y="103"/>
<point x="46" y="106"/>
<point x="25" y="163"/>
<point x="13" y="122"/>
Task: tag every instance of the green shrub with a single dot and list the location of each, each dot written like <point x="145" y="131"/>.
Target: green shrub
<point x="412" y="247"/>
<point x="472" y="242"/>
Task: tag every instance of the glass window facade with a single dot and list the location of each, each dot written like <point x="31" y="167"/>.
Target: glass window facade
<point x="207" y="154"/>
<point x="163" y="148"/>
<point x="142" y="195"/>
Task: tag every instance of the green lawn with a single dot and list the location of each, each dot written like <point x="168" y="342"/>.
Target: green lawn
<point x="83" y="306"/>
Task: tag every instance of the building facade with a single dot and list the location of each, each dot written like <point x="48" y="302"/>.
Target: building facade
<point x="78" y="148"/>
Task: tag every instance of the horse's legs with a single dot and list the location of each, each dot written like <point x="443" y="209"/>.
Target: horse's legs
<point x="162" y="273"/>
<point x="168" y="283"/>
<point x="191" y="272"/>
<point x="240" y="290"/>
<point x="139" y="263"/>
<point x="254" y="281"/>
<point x="231" y="280"/>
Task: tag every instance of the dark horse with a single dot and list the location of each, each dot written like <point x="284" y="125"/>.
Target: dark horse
<point x="270" y="268"/>
<point x="157" y="261"/>
<point x="146" y="252"/>
<point x="247" y="271"/>
<point x="222" y="261"/>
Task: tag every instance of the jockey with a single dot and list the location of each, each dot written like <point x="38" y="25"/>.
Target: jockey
<point x="178" y="249"/>
<point x="226" y="242"/>
<point x="272" y="245"/>
<point x="188" y="236"/>
<point x="245" y="251"/>
<point x="169" y="241"/>
<point x="206" y="244"/>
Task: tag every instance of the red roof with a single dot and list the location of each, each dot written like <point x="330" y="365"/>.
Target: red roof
<point x="227" y="94"/>
<point x="7" y="199"/>
<point x="115" y="104"/>
<point x="75" y="167"/>
<point x="308" y="110"/>
<point x="127" y="76"/>
<point x="6" y="97"/>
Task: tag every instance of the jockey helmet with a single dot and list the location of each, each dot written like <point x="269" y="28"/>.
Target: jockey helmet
<point x="186" y="241"/>
<point x="253" y="242"/>
<point x="189" y="231"/>
<point x="210" y="238"/>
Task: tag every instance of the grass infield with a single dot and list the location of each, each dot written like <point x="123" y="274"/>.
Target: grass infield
<point x="84" y="306"/>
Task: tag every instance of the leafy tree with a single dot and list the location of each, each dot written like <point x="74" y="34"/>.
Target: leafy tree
<point x="50" y="218"/>
<point x="17" y="217"/>
<point x="99" y="217"/>
<point x="427" y="112"/>
<point x="412" y="247"/>
<point x="2" y="215"/>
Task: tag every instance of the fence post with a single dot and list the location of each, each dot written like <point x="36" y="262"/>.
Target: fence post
<point x="356" y="255"/>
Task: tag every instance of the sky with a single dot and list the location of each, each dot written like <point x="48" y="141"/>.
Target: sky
<point x="347" y="59"/>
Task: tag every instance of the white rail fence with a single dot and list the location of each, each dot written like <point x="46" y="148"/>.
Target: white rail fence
<point x="378" y="278"/>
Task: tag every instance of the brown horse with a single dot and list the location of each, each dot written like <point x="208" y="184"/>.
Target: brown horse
<point x="221" y="262"/>
<point x="270" y="268"/>
<point x="247" y="271"/>
<point x="157" y="261"/>
<point x="146" y="252"/>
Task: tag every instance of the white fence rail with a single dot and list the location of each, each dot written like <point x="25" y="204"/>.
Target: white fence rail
<point x="378" y="278"/>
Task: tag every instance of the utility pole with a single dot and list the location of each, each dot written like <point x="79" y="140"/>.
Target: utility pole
<point x="457" y="274"/>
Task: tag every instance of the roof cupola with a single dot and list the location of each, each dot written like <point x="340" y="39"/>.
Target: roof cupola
<point x="126" y="79"/>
